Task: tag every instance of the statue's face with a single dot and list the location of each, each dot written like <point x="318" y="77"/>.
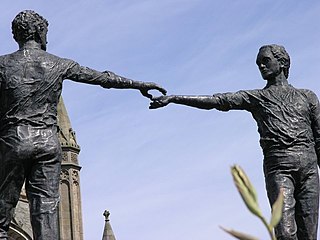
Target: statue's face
<point x="268" y="65"/>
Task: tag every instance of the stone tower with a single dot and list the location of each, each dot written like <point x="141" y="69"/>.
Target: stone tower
<point x="70" y="215"/>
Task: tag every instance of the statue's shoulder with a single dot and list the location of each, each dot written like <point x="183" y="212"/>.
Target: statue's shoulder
<point x="52" y="59"/>
<point x="308" y="94"/>
<point x="6" y="56"/>
<point x="51" y="56"/>
<point x="305" y="91"/>
<point x="254" y="92"/>
<point x="61" y="59"/>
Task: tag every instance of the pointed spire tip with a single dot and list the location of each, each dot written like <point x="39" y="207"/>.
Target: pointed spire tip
<point x="106" y="214"/>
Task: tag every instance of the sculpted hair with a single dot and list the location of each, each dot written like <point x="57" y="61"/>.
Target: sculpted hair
<point x="28" y="25"/>
<point x="280" y="53"/>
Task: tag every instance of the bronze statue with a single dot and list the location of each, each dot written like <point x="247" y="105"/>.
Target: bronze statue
<point x="288" y="122"/>
<point x="30" y="87"/>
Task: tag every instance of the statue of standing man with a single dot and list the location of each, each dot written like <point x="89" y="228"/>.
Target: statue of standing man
<point x="288" y="122"/>
<point x="30" y="87"/>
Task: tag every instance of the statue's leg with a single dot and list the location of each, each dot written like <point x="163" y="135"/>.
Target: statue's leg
<point x="42" y="188"/>
<point x="11" y="181"/>
<point x="307" y="197"/>
<point x="287" y="227"/>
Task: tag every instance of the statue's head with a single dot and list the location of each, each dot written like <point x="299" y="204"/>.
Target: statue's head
<point x="29" y="25"/>
<point x="277" y="53"/>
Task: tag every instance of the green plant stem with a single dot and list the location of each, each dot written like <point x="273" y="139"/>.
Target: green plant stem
<point x="265" y="223"/>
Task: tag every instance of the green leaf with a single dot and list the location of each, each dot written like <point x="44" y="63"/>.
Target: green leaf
<point x="239" y="235"/>
<point x="277" y="210"/>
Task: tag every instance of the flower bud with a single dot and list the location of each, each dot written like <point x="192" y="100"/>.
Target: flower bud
<point x="246" y="190"/>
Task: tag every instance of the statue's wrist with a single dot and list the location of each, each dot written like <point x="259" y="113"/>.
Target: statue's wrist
<point x="173" y="99"/>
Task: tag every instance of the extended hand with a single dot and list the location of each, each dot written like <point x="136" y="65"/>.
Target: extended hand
<point x="159" y="102"/>
<point x="151" y="86"/>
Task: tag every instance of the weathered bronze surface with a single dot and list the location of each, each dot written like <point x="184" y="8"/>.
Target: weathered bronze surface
<point x="31" y="83"/>
<point x="288" y="122"/>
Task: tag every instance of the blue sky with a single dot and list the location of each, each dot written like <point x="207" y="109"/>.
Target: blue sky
<point x="165" y="174"/>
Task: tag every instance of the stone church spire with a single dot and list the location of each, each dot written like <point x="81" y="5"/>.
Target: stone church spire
<point x="70" y="213"/>
<point x="67" y="136"/>
<point x="107" y="232"/>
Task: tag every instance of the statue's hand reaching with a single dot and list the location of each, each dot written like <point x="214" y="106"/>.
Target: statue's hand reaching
<point x="151" y="86"/>
<point x="159" y="102"/>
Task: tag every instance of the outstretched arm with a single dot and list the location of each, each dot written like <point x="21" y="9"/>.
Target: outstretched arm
<point x="116" y="81"/>
<point x="202" y="102"/>
<point x="109" y="79"/>
<point x="240" y="100"/>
